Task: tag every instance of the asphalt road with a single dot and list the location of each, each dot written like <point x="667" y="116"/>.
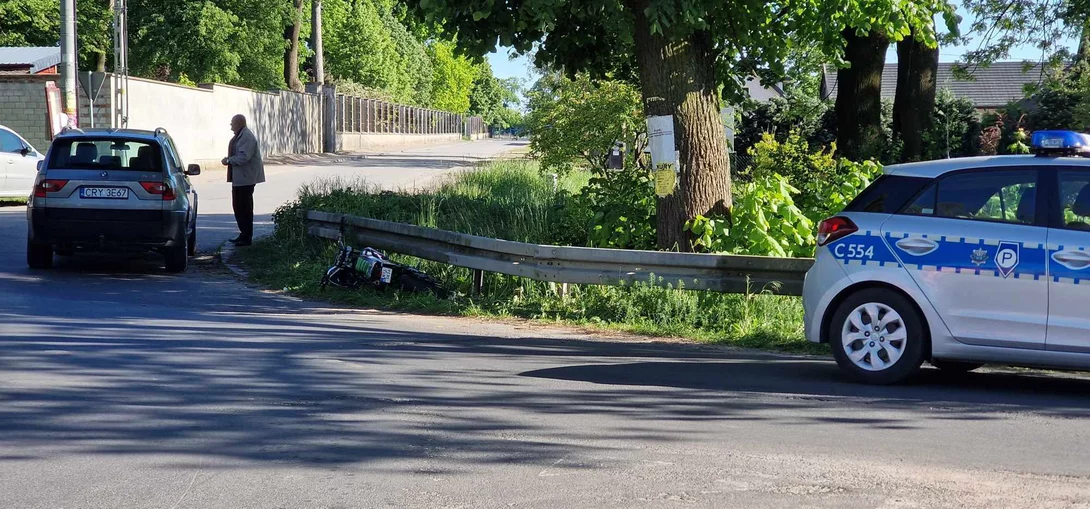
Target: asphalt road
<point x="121" y="386"/>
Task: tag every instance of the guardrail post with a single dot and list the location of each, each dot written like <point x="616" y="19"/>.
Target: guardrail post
<point x="478" y="282"/>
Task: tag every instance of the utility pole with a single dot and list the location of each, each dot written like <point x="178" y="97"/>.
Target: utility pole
<point x="316" y="42"/>
<point x="121" y="64"/>
<point x="68" y="58"/>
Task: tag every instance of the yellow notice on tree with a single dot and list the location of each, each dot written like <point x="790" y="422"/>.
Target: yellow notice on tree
<point x="665" y="180"/>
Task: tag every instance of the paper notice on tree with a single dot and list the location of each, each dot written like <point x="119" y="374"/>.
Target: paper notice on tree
<point x="660" y="139"/>
<point x="665" y="180"/>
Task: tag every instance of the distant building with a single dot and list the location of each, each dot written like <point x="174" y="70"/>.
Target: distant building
<point x="29" y="60"/>
<point x="760" y="92"/>
<point x="991" y="88"/>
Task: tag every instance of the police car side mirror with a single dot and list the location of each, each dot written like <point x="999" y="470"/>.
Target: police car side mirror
<point x="25" y="151"/>
<point x="40" y="164"/>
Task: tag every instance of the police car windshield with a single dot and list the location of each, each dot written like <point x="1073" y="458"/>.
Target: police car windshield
<point x="105" y="154"/>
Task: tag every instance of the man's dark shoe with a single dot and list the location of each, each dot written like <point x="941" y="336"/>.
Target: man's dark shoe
<point x="235" y="240"/>
<point x="244" y="243"/>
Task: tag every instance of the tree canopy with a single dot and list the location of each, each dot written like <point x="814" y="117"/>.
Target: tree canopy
<point x="370" y="45"/>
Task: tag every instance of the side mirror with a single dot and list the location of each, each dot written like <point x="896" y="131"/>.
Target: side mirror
<point x="40" y="164"/>
<point x="193" y="170"/>
<point x="25" y="151"/>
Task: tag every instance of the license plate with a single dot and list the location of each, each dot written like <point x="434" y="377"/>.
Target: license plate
<point x="107" y="193"/>
<point x="387" y="274"/>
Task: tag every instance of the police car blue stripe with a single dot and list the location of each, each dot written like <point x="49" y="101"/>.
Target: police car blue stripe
<point x="975" y="256"/>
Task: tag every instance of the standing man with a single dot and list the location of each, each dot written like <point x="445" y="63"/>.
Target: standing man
<point x="244" y="171"/>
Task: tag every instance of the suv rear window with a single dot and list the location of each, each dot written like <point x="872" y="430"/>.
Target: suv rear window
<point x="105" y="154"/>
<point x="887" y="194"/>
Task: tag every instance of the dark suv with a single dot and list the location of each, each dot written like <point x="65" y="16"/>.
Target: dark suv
<point x="112" y="190"/>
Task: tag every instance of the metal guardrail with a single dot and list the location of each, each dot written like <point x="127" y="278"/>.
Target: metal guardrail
<point x="581" y="265"/>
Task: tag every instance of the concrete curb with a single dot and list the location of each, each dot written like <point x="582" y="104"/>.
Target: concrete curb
<point x="226" y="251"/>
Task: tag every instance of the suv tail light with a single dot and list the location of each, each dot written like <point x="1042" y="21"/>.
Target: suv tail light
<point x="160" y="188"/>
<point x="835" y="228"/>
<point x="48" y="186"/>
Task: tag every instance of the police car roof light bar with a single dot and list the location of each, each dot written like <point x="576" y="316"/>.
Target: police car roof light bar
<point x="1060" y="143"/>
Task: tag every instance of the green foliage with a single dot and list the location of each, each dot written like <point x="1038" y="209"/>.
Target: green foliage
<point x="579" y="118"/>
<point x="623" y="204"/>
<point x="453" y="77"/>
<point x="37" y="23"/>
<point x="238" y="42"/>
<point x="1008" y="24"/>
<point x="787" y="190"/>
<point x="800" y="112"/>
<point x="490" y="202"/>
<point x="350" y="26"/>
<point x="1020" y="145"/>
<point x="956" y="124"/>
<point x="493" y="99"/>
<point x="765" y="220"/>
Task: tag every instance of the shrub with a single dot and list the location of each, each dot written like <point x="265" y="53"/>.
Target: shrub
<point x="580" y="120"/>
<point x="623" y="207"/>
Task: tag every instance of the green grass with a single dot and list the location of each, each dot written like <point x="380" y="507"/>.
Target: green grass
<point x="510" y="200"/>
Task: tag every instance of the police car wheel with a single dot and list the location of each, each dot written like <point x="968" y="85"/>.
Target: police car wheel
<point x="877" y="337"/>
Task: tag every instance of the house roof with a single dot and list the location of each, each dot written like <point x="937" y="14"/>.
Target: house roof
<point x="37" y="58"/>
<point x="992" y="87"/>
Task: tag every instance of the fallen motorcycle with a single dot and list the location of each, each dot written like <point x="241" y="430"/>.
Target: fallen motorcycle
<point x="356" y="268"/>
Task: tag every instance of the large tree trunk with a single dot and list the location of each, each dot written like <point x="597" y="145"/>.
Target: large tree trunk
<point x="678" y="78"/>
<point x="1082" y="56"/>
<point x="291" y="55"/>
<point x="914" y="103"/>
<point x="859" y="96"/>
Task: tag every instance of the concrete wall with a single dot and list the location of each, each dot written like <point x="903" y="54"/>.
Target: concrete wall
<point x="357" y="142"/>
<point x="199" y="118"/>
<point x="22" y="107"/>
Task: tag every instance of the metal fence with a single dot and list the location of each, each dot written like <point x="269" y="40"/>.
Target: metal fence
<point x="374" y="116"/>
<point x="721" y="273"/>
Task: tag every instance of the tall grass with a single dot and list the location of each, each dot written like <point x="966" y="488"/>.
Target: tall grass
<point x="511" y="200"/>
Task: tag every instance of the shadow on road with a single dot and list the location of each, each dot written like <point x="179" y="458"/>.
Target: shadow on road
<point x="126" y="360"/>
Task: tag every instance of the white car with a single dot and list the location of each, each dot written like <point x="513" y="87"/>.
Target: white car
<point x="18" y="165"/>
<point x="959" y="262"/>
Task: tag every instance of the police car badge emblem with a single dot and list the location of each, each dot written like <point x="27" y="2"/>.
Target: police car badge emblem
<point x="1007" y="258"/>
<point x="979" y="256"/>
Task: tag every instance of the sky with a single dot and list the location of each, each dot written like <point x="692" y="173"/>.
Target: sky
<point x="522" y="68"/>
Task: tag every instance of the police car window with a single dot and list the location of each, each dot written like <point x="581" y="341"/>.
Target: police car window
<point x="924" y="205"/>
<point x="1075" y="199"/>
<point x="887" y="194"/>
<point x="1006" y="196"/>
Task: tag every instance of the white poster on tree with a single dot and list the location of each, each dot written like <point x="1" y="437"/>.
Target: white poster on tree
<point x="660" y="139"/>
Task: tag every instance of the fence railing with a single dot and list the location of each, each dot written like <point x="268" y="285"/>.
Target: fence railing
<point x="582" y="265"/>
<point x="374" y="116"/>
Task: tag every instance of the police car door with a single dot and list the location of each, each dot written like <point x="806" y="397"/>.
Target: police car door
<point x="974" y="243"/>
<point x="1069" y="263"/>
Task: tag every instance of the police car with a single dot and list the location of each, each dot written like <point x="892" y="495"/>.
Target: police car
<point x="959" y="262"/>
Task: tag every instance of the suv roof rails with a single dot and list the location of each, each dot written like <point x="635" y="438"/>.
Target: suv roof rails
<point x="68" y="128"/>
<point x="159" y="131"/>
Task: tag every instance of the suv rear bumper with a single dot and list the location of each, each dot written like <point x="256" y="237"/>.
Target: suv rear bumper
<point x="110" y="230"/>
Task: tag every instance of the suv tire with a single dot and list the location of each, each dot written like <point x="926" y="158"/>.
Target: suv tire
<point x="39" y="256"/>
<point x="192" y="243"/>
<point x="878" y="337"/>
<point x="177" y="257"/>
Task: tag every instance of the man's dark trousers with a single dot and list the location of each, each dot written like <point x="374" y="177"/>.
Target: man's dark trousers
<point x="242" y="199"/>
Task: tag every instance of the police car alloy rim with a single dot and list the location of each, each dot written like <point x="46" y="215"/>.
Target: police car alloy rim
<point x="874" y="336"/>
